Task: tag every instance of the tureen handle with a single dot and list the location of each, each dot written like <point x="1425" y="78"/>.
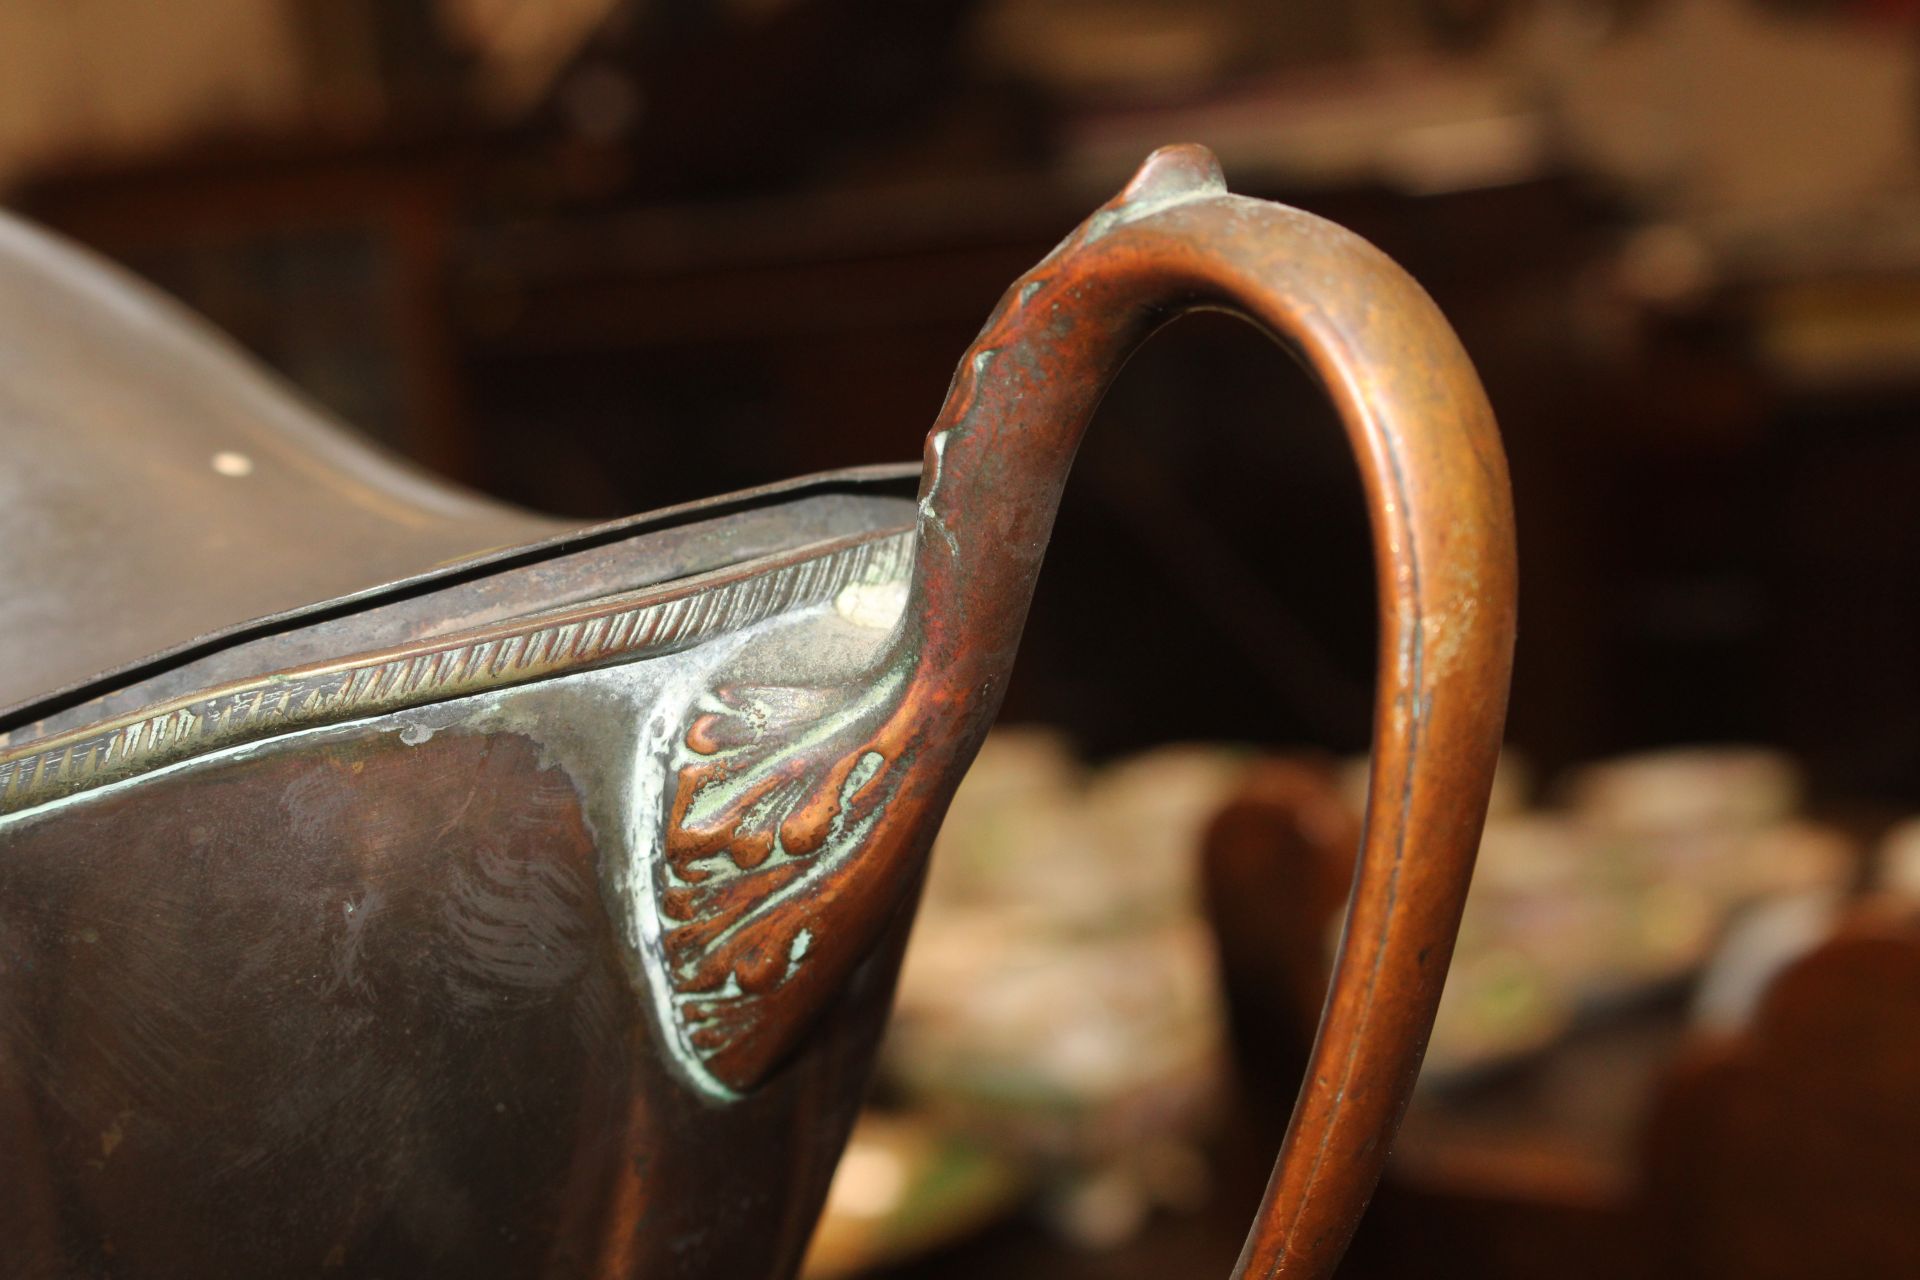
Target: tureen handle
<point x="1436" y="490"/>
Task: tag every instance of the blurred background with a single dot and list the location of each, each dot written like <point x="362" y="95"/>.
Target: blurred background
<point x="596" y="256"/>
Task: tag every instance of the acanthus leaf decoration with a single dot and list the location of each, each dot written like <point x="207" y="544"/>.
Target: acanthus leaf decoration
<point x="779" y="792"/>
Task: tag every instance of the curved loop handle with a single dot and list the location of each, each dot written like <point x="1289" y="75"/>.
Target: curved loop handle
<point x="1436" y="487"/>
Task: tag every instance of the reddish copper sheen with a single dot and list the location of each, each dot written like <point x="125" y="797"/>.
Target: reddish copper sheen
<point x="441" y="914"/>
<point x="1436" y="486"/>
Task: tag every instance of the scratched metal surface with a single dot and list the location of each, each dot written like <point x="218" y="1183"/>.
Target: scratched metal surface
<point x="383" y="999"/>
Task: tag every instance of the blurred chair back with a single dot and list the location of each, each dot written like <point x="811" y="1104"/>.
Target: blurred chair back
<point x="1793" y="1149"/>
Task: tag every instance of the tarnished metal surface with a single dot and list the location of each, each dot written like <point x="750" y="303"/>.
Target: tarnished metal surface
<point x="784" y="779"/>
<point x="637" y="555"/>
<point x="537" y="917"/>
<point x="159" y="489"/>
<point x="623" y="627"/>
<point x="378" y="997"/>
<point x="157" y="486"/>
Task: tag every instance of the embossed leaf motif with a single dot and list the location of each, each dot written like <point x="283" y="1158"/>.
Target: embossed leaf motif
<point x="778" y="788"/>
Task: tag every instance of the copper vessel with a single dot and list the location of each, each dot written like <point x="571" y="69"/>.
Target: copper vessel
<point x="396" y="884"/>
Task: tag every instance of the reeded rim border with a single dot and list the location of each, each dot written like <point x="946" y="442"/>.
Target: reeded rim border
<point x="621" y="628"/>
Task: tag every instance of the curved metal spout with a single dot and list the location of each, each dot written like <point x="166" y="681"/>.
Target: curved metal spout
<point x="824" y="800"/>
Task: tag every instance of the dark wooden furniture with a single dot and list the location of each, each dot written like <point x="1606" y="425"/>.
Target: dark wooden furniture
<point x="1793" y="1148"/>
